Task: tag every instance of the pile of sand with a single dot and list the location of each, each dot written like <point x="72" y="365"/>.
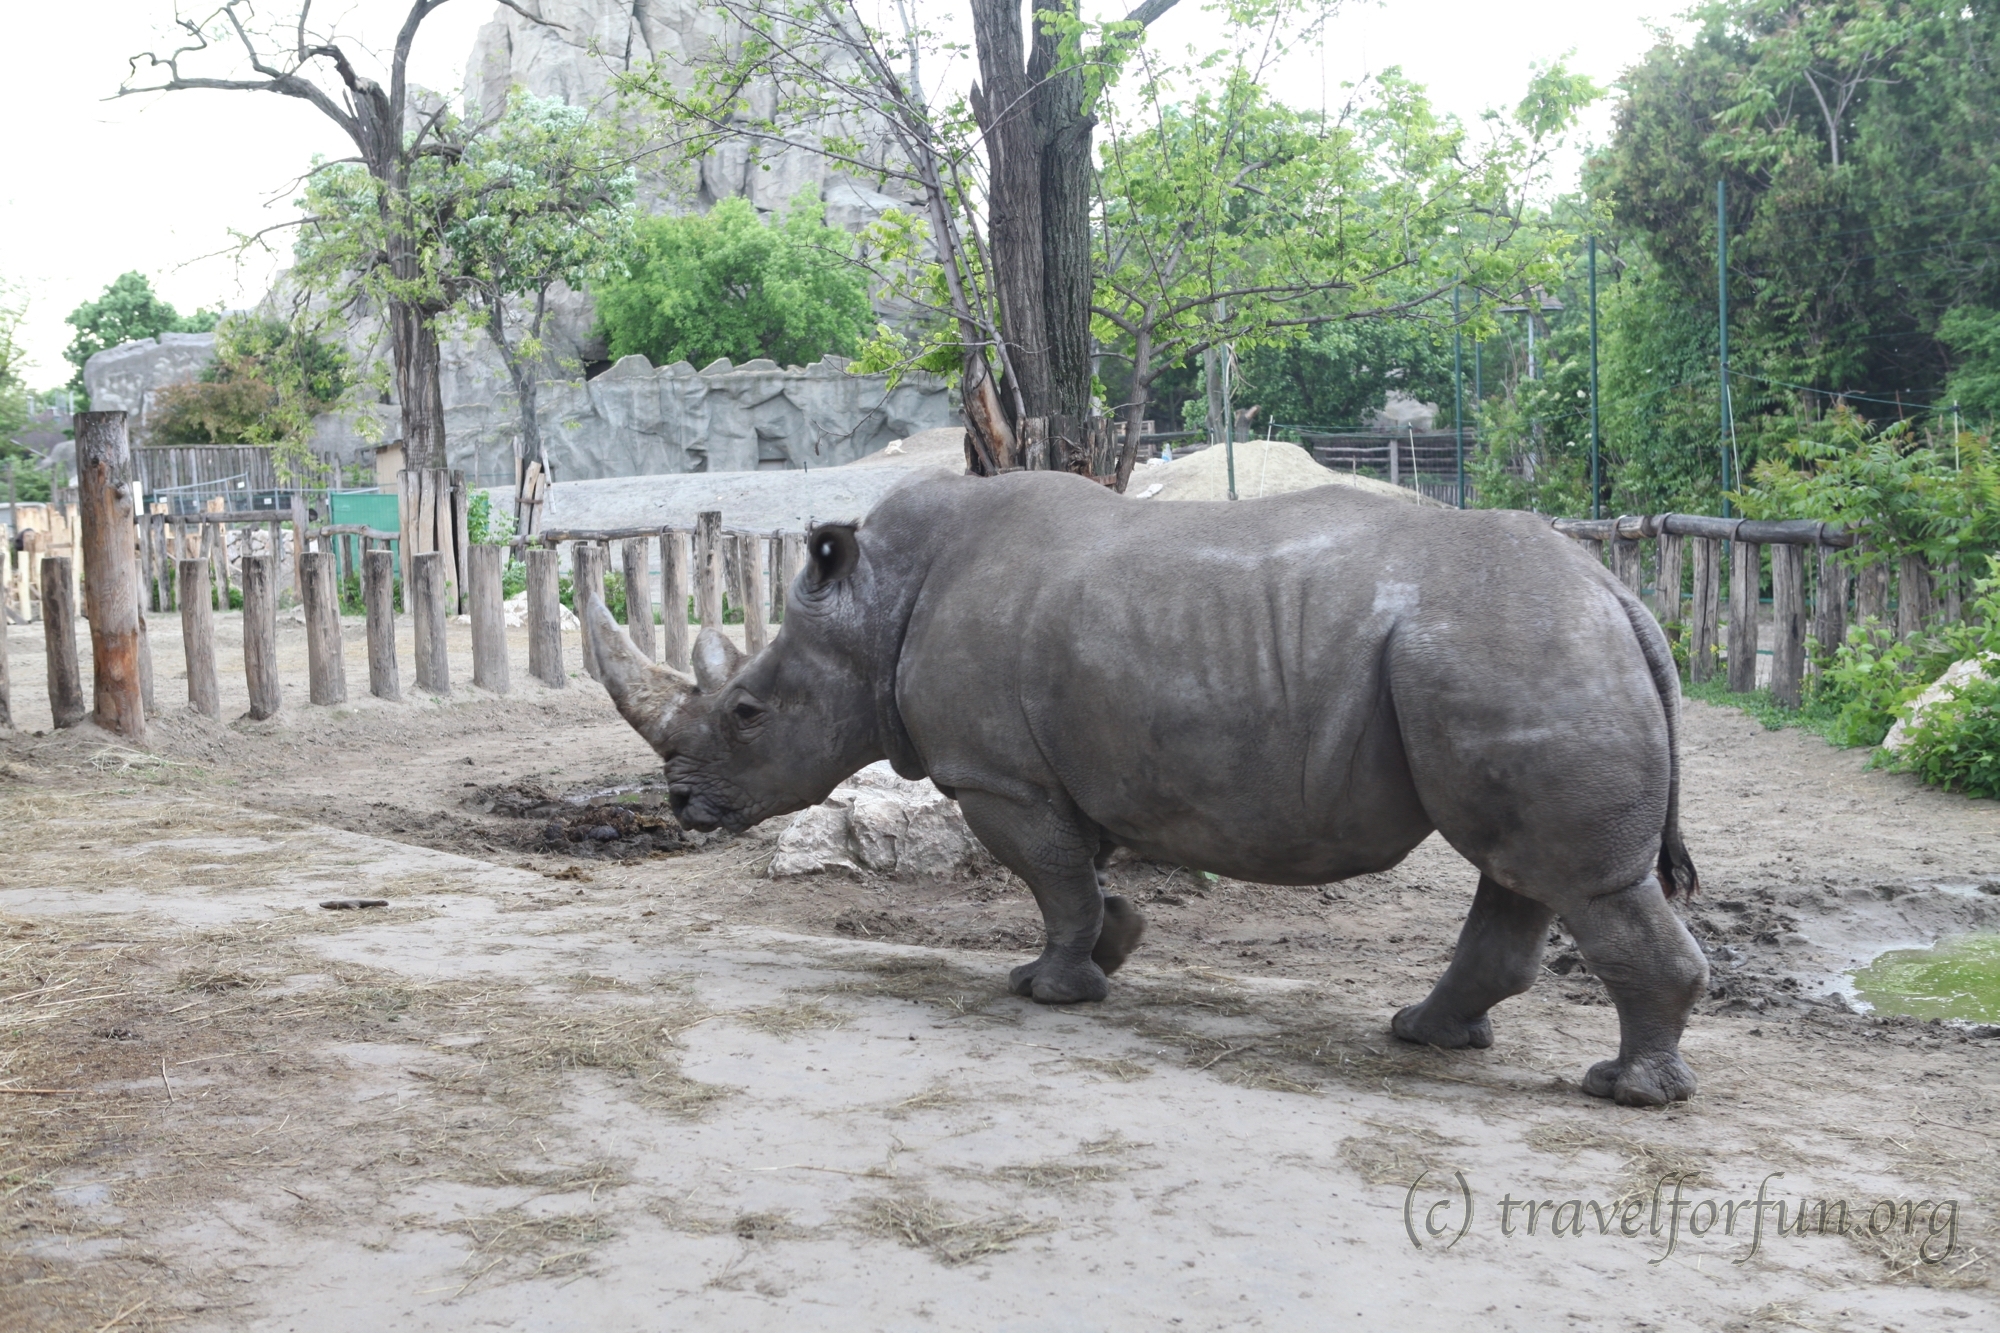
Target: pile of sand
<point x="1263" y="467"/>
<point x="943" y="446"/>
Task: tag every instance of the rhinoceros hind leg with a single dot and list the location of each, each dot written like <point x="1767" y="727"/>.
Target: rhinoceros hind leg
<point x="1655" y="972"/>
<point x="1056" y="856"/>
<point x="1499" y="955"/>
<point x="1120" y="934"/>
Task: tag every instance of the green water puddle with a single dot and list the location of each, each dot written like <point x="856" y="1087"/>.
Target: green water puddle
<point x="1955" y="978"/>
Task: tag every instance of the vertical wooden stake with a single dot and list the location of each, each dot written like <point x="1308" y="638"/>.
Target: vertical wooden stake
<point x="1871" y="592"/>
<point x="198" y="639"/>
<point x="750" y="591"/>
<point x="1788" y="628"/>
<point x="545" y="617"/>
<point x="260" y="635"/>
<point x="326" y="670"/>
<point x="674" y="637"/>
<point x="378" y="596"/>
<point x="1830" y="602"/>
<point x="406" y="517"/>
<point x="1590" y="544"/>
<point x="59" y="636"/>
<point x="1667" y="579"/>
<point x="298" y="552"/>
<point x="637" y="556"/>
<point x="6" y="707"/>
<point x="1704" y="632"/>
<point x="1916" y="604"/>
<point x="1626" y="565"/>
<point x="427" y="610"/>
<point x="587" y="568"/>
<point x="104" y="507"/>
<point x="489" y="617"/>
<point x="708" y="568"/>
<point x="461" y="542"/>
<point x="1745" y="582"/>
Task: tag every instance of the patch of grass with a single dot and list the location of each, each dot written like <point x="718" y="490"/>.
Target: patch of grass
<point x="1760" y="705"/>
<point x="786" y="1021"/>
<point x="520" y="1245"/>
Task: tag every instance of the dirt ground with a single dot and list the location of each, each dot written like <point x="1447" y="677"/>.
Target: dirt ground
<point x="585" y="1072"/>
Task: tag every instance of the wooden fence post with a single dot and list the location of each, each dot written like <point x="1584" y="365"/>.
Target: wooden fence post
<point x="198" y="639"/>
<point x="1830" y="601"/>
<point x="378" y="596"/>
<point x="1788" y="623"/>
<point x="406" y="517"/>
<point x="427" y="611"/>
<point x="326" y="670"/>
<point x="1871" y="593"/>
<point x="6" y="707"/>
<point x="708" y="568"/>
<point x="1951" y="595"/>
<point x="674" y="600"/>
<point x="637" y="556"/>
<point x="489" y="617"/>
<point x="750" y="580"/>
<point x="1916" y="603"/>
<point x="1667" y="578"/>
<point x="111" y="598"/>
<point x="1745" y="581"/>
<point x="1705" y="631"/>
<point x="59" y="636"/>
<point x="586" y="584"/>
<point x="260" y="635"/>
<point x="461" y="541"/>
<point x="1626" y="565"/>
<point x="545" y="617"/>
<point x="298" y="554"/>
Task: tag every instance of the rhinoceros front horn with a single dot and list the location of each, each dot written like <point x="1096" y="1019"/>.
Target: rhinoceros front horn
<point x="646" y="693"/>
<point x="716" y="659"/>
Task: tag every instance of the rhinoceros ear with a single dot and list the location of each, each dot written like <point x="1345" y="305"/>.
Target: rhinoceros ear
<point x="716" y="659"/>
<point x="832" y="552"/>
<point x="647" y="695"/>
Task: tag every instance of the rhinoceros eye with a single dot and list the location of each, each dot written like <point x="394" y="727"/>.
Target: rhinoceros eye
<point x="747" y="712"/>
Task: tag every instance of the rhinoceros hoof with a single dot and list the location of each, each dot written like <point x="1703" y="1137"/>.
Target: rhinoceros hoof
<point x="1447" y="1034"/>
<point x="1653" y="1079"/>
<point x="1052" y="982"/>
<point x="1119" y="935"/>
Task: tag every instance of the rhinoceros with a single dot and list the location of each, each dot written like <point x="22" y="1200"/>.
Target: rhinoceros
<point x="1290" y="690"/>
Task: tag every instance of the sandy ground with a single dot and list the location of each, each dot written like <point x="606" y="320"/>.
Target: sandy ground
<point x="632" y="1084"/>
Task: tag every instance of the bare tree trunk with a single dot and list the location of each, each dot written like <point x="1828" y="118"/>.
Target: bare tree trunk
<point x="1068" y="174"/>
<point x="524" y="380"/>
<point x="418" y="390"/>
<point x="1135" y="411"/>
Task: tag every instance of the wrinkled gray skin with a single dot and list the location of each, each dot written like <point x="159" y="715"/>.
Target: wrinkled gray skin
<point x="1290" y="690"/>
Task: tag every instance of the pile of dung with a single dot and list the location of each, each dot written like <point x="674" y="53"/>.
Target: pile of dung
<point x="1263" y="467"/>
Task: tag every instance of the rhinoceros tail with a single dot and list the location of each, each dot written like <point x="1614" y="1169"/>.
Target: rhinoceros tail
<point x="1675" y="867"/>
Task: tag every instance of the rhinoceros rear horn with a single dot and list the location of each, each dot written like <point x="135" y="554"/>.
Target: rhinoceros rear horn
<point x="647" y="694"/>
<point x="716" y="659"/>
<point x="832" y="552"/>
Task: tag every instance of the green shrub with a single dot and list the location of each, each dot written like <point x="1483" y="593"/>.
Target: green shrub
<point x="1957" y="744"/>
<point x="1859" y="690"/>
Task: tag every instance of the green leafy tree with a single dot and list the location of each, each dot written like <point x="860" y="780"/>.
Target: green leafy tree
<point x="269" y="379"/>
<point x="543" y="198"/>
<point x="127" y="311"/>
<point x="725" y="284"/>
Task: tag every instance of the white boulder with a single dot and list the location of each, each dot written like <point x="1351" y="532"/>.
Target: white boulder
<point x="1958" y="674"/>
<point x="878" y="821"/>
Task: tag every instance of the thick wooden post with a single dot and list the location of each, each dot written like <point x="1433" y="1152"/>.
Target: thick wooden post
<point x="59" y="637"/>
<point x="489" y="617"/>
<point x="1916" y="603"/>
<point x="378" y="596"/>
<point x="545" y="617"/>
<point x="461" y="541"/>
<point x="6" y="705"/>
<point x="1625" y="564"/>
<point x="104" y="507"/>
<point x="427" y="612"/>
<point x="406" y="517"/>
<point x="198" y="639"/>
<point x="1788" y="624"/>
<point x="708" y="568"/>
<point x="1830" y="601"/>
<point x="260" y="635"/>
<point x="298" y="553"/>
<point x="1871" y="593"/>
<point x="750" y="579"/>
<point x="674" y="637"/>
<point x="1706" y="607"/>
<point x="1590" y="544"/>
<point x="1745" y="582"/>
<point x="1667" y="578"/>
<point x="326" y="670"/>
<point x="1951" y="595"/>
<point x="637" y="556"/>
<point x="586" y="585"/>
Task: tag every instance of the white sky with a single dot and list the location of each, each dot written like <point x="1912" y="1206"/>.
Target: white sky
<point x="94" y="188"/>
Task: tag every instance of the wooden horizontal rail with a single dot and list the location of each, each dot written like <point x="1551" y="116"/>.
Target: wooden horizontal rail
<point x="1756" y="531"/>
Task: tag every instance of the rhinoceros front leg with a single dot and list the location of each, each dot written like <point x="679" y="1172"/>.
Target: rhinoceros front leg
<point x="1655" y="972"/>
<point x="1499" y="955"/>
<point x="1056" y="853"/>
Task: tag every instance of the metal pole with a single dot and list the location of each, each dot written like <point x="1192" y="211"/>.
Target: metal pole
<point x="1458" y="393"/>
<point x="1596" y="482"/>
<point x="1722" y="323"/>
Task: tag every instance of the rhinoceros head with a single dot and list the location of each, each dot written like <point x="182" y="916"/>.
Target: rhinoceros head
<point x="746" y="739"/>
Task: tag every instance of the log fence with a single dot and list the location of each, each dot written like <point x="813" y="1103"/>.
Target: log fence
<point x="1814" y="598"/>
